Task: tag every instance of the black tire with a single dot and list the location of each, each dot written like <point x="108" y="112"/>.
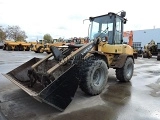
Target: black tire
<point x="48" y="52"/>
<point x="4" y="47"/>
<point x="94" y="76"/>
<point x="16" y="48"/>
<point x="39" y="49"/>
<point x="139" y="55"/>
<point x="21" y="48"/>
<point x="27" y="49"/>
<point x="145" y="55"/>
<point x="135" y="55"/>
<point x="125" y="73"/>
<point x="158" y="57"/>
<point x="8" y="48"/>
<point x="36" y="51"/>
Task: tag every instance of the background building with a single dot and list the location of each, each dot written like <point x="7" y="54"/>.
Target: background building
<point x="145" y="36"/>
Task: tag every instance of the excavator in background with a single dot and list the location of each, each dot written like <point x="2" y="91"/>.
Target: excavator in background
<point x="55" y="78"/>
<point x="129" y="34"/>
<point x="151" y="49"/>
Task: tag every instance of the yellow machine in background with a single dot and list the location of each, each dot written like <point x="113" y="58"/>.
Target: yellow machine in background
<point x="55" y="78"/>
<point x="16" y="45"/>
<point x="79" y="40"/>
<point x="56" y="43"/>
<point x="150" y="49"/>
<point x="38" y="47"/>
<point x="10" y="45"/>
<point x="42" y="46"/>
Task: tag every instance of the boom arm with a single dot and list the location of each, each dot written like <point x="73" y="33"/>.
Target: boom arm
<point x="129" y="34"/>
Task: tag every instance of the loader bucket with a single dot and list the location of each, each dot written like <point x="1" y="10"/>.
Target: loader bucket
<point x="57" y="94"/>
<point x="48" y="80"/>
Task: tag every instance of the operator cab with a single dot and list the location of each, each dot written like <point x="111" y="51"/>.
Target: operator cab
<point x="108" y="27"/>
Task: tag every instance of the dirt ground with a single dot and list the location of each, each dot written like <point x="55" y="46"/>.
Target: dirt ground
<point x="138" y="99"/>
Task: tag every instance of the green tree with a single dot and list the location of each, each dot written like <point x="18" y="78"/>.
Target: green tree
<point x="2" y="34"/>
<point x="48" y="38"/>
<point x="15" y="33"/>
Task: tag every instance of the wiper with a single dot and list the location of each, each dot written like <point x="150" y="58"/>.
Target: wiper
<point x="104" y="31"/>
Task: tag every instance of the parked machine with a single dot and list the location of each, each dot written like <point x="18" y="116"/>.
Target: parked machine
<point x="38" y="47"/>
<point x="10" y="45"/>
<point x="43" y="46"/>
<point x="77" y="40"/>
<point x="16" y="45"/>
<point x="150" y="49"/>
<point x="56" y="43"/>
<point x="55" y="78"/>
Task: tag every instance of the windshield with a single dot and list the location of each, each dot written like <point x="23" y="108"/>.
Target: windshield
<point x="101" y="27"/>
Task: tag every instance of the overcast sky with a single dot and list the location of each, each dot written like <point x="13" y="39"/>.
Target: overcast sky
<point x="64" y="18"/>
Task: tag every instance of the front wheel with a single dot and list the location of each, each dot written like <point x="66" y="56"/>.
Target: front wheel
<point x="94" y="76"/>
<point x="40" y="49"/>
<point x="4" y="47"/>
<point x="125" y="73"/>
<point x="27" y="49"/>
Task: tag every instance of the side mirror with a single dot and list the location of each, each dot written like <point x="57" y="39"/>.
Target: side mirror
<point x="85" y="20"/>
<point x="125" y="21"/>
<point x="123" y="14"/>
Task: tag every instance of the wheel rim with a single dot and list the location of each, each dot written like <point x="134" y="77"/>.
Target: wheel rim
<point x="98" y="76"/>
<point x="129" y="70"/>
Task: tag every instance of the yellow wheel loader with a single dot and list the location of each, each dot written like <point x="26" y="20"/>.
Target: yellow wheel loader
<point x="47" y="46"/>
<point x="150" y="49"/>
<point x="38" y="47"/>
<point x="55" y="78"/>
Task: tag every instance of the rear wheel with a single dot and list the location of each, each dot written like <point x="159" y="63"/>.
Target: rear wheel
<point x="27" y="49"/>
<point x="21" y="48"/>
<point x="158" y="57"/>
<point x="40" y="49"/>
<point x="16" y="48"/>
<point x="135" y="55"/>
<point x="145" y="55"/>
<point x="125" y="73"/>
<point x="48" y="52"/>
<point x="8" y="48"/>
<point x="4" y="47"/>
<point x="94" y="76"/>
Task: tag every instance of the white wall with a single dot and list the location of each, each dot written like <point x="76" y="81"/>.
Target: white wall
<point x="145" y="36"/>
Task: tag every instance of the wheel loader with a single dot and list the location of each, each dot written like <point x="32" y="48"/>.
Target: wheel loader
<point x="55" y="78"/>
<point x="56" y="43"/>
<point x="38" y="47"/>
<point x="150" y="49"/>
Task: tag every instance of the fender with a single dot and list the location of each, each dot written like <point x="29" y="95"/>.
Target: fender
<point x="102" y="55"/>
<point x="120" y="61"/>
